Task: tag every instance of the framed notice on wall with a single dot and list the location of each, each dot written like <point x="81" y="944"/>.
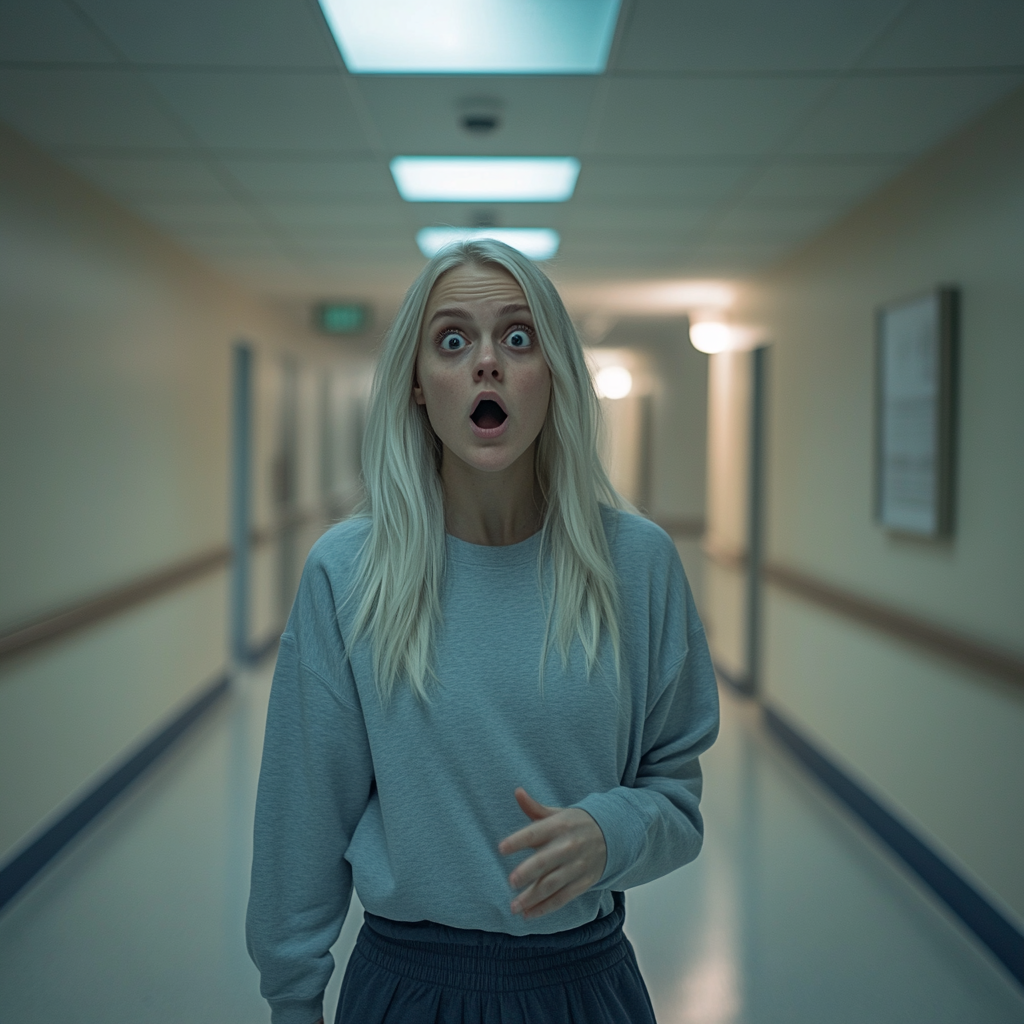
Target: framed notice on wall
<point x="915" y="408"/>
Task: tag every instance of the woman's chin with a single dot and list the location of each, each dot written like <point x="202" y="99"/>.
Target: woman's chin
<point x="487" y="458"/>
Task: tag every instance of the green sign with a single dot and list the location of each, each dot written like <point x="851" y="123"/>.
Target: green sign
<point x="342" y="317"/>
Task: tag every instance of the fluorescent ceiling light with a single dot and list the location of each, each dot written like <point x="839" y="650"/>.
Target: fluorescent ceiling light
<point x="485" y="179"/>
<point x="473" y="37"/>
<point x="536" y="243"/>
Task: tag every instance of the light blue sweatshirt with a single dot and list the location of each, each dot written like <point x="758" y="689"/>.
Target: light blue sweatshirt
<point x="409" y="802"/>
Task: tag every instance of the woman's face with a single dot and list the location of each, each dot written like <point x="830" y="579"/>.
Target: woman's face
<point x="479" y="368"/>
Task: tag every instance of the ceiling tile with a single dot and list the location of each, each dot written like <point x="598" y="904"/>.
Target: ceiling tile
<point x="509" y="215"/>
<point x="193" y="217"/>
<point x="618" y="218"/>
<point x="47" y="30"/>
<point x="225" y="33"/>
<point x="264" y="113"/>
<point x="355" y="249"/>
<point x="748" y="35"/>
<point x="313" y="217"/>
<point x="584" y="253"/>
<point x="645" y="180"/>
<point x="420" y="115"/>
<point x="391" y="269"/>
<point x="898" y="116"/>
<point x="153" y="177"/>
<point x="89" y="108"/>
<point x="714" y="117"/>
<point x="732" y="258"/>
<point x="954" y="34"/>
<point x="325" y="177"/>
<point x="234" y="247"/>
<point x="814" y="182"/>
<point x="754" y="222"/>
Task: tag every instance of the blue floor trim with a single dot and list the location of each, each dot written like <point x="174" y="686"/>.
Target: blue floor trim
<point x="26" y="865"/>
<point x="994" y="930"/>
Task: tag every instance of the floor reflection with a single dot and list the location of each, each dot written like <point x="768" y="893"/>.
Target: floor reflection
<point x="791" y="915"/>
<point x="794" y="914"/>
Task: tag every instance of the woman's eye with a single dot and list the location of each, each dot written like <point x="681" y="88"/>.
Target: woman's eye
<point x="519" y="339"/>
<point x="453" y="342"/>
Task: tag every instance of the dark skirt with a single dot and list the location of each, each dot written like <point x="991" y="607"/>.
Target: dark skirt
<point x="425" y="973"/>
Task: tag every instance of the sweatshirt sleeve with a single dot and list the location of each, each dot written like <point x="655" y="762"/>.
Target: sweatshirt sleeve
<point x="315" y="782"/>
<point x="654" y="825"/>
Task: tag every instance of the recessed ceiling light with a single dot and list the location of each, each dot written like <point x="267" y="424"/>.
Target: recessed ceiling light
<point x="485" y="179"/>
<point x="473" y="37"/>
<point x="536" y="243"/>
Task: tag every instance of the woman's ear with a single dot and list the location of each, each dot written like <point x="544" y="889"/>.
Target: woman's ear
<point x="417" y="392"/>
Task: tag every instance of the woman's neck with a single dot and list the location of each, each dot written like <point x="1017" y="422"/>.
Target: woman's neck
<point x="492" y="509"/>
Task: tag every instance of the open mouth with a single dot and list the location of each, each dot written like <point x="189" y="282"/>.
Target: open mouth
<point x="488" y="415"/>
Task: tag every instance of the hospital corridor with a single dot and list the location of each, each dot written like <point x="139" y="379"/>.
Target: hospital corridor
<point x="790" y="239"/>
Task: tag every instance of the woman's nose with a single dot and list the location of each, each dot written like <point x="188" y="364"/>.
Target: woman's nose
<point x="487" y="365"/>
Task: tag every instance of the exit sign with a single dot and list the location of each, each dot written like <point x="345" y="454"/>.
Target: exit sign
<point x="342" y="317"/>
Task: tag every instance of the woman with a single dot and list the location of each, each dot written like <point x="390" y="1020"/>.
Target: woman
<point x="491" y="693"/>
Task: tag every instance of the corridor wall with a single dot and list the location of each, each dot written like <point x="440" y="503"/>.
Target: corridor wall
<point x="664" y="459"/>
<point x="940" y="743"/>
<point x="115" y="357"/>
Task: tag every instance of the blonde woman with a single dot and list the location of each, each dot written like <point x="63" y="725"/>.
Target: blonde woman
<point x="491" y="693"/>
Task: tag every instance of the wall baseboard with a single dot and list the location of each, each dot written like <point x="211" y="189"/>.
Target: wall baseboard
<point x="987" y="923"/>
<point x="22" y="868"/>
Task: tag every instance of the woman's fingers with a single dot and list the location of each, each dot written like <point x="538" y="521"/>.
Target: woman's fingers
<point x="555" y="902"/>
<point x="531" y="837"/>
<point x="531" y="808"/>
<point x="552" y="891"/>
<point x="547" y="858"/>
<point x="570" y="857"/>
<point x="543" y="889"/>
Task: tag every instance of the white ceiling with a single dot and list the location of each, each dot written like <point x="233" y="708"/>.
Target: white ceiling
<point x="722" y="135"/>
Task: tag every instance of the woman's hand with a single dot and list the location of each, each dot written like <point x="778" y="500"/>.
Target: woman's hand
<point x="570" y="858"/>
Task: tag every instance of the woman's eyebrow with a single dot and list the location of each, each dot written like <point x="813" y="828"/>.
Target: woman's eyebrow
<point x="455" y="312"/>
<point x="458" y="313"/>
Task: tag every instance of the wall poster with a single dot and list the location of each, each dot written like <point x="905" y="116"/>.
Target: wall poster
<point x="915" y="406"/>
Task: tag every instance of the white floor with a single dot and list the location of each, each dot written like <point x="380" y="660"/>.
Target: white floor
<point x="792" y="915"/>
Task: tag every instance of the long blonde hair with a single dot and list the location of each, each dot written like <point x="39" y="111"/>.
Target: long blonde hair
<point x="402" y="567"/>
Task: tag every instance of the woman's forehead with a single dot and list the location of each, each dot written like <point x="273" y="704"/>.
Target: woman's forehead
<point x="472" y="284"/>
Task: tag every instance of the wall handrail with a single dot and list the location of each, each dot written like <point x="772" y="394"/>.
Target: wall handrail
<point x="71" y="618"/>
<point x="111" y="602"/>
<point x="967" y="651"/>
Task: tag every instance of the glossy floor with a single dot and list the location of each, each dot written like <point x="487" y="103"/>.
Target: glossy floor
<point x="792" y="915"/>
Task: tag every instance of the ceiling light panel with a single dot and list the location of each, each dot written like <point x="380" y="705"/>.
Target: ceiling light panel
<point x="431" y="179"/>
<point x="536" y="243"/>
<point x="473" y="37"/>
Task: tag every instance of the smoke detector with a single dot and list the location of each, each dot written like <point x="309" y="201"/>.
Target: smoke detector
<point x="480" y="116"/>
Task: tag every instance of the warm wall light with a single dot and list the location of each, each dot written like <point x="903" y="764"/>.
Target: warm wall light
<point x="613" y="382"/>
<point x="713" y="336"/>
<point x="536" y="243"/>
<point x="710" y="336"/>
<point x="485" y="179"/>
<point x="473" y="37"/>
